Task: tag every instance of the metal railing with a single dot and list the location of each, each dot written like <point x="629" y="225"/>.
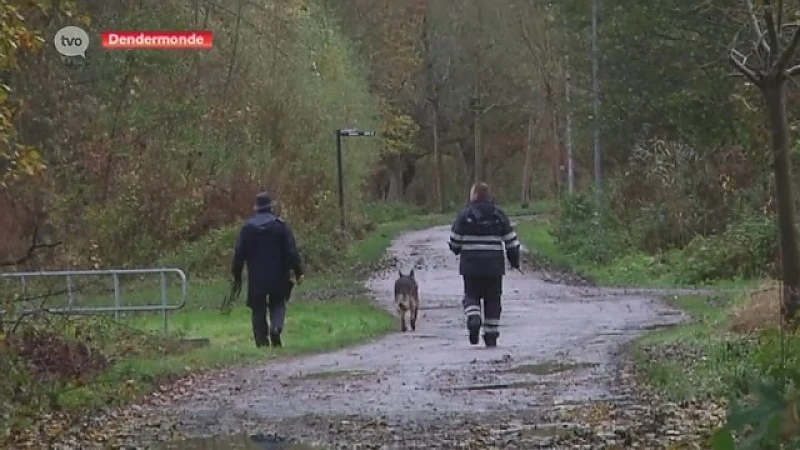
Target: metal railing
<point x="118" y="308"/>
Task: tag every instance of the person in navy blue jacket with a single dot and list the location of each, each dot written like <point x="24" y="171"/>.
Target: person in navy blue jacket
<point x="267" y="246"/>
<point x="483" y="237"/>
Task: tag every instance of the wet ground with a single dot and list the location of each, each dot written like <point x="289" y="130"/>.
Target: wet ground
<point x="559" y="345"/>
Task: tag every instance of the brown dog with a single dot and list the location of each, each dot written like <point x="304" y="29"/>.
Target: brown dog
<point x="406" y="297"/>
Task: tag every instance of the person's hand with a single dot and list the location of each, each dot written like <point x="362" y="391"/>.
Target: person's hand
<point x="236" y="285"/>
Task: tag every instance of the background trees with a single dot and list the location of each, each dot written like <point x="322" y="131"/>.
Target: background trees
<point x="143" y="151"/>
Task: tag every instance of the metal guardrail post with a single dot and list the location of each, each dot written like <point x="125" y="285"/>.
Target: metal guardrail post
<point x="116" y="297"/>
<point x="164" y="300"/>
<point x="69" y="292"/>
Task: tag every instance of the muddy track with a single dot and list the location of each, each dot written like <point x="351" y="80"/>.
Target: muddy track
<point x="558" y="345"/>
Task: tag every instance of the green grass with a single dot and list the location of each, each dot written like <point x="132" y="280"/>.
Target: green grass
<point x="705" y="358"/>
<point x="370" y="251"/>
<point x="310" y="327"/>
<point x="632" y="270"/>
<point x="636" y="269"/>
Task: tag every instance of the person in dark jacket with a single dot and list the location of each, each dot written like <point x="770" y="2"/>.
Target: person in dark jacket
<point x="267" y="246"/>
<point x="483" y="237"/>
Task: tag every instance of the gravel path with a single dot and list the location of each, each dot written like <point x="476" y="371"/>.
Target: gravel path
<point x="559" y="345"/>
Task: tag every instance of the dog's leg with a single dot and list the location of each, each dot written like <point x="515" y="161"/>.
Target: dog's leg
<point x="414" y="311"/>
<point x="402" y="320"/>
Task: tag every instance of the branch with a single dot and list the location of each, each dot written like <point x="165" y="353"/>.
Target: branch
<point x="792" y="71"/>
<point x="31" y="250"/>
<point x="772" y="30"/>
<point x="788" y="52"/>
<point x="741" y="66"/>
<point x="756" y="26"/>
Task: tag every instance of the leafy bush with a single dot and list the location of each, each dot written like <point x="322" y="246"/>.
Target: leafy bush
<point x="588" y="234"/>
<point x="746" y="249"/>
<point x="768" y="417"/>
<point x="206" y="256"/>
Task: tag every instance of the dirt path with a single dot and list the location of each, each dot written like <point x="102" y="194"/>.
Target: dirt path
<point x="558" y="344"/>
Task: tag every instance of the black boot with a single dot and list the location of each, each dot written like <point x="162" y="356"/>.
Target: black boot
<point x="474" y="327"/>
<point x="490" y="339"/>
<point x="275" y="340"/>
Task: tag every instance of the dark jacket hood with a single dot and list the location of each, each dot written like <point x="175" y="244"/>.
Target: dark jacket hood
<point x="482" y="208"/>
<point x="263" y="221"/>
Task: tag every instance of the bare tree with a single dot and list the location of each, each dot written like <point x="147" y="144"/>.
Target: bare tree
<point x="539" y="41"/>
<point x="435" y="84"/>
<point x="598" y="150"/>
<point x="773" y="45"/>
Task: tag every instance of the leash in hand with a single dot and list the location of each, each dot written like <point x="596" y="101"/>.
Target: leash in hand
<point x="233" y="294"/>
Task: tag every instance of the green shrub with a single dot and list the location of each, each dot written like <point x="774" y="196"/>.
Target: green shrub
<point x="208" y="256"/>
<point x="746" y="249"/>
<point x="582" y="231"/>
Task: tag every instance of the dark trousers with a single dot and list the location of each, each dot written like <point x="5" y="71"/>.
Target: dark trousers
<point x="260" y="306"/>
<point x="489" y="290"/>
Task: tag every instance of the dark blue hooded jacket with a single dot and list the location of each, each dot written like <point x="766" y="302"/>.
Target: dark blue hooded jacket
<point x="267" y="246"/>
<point x="481" y="235"/>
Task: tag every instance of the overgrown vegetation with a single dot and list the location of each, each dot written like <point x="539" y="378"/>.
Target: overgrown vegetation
<point x="610" y="251"/>
<point x="733" y="349"/>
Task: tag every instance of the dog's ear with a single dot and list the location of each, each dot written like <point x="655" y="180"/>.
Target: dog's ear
<point x="401" y="272"/>
<point x="411" y="274"/>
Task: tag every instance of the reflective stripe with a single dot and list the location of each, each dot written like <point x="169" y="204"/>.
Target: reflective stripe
<point x="472" y="308"/>
<point x="473" y="313"/>
<point x="497" y="247"/>
<point x="490" y="328"/>
<point x="492" y="322"/>
<point x="513" y="244"/>
<point x="476" y="238"/>
<point x="510" y="236"/>
<point x="454" y="244"/>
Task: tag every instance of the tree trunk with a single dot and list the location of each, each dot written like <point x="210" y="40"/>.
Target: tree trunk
<point x="554" y="141"/>
<point x="232" y="62"/>
<point x="437" y="159"/>
<point x="775" y="97"/>
<point x="570" y="161"/>
<point x="478" y="173"/>
<point x="395" y="193"/>
<point x="525" y="196"/>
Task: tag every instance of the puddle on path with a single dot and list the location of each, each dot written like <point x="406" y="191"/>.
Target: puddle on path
<point x="549" y="368"/>
<point x="239" y="442"/>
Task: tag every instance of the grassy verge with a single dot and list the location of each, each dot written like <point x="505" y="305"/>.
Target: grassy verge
<point x="370" y="251"/>
<point x="629" y="270"/>
<point x="732" y="341"/>
<point x="310" y="327"/>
